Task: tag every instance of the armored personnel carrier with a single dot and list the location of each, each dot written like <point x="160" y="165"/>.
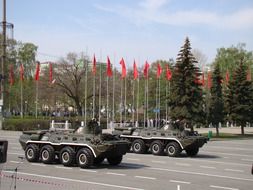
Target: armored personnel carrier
<point x="85" y="146"/>
<point x="171" y="139"/>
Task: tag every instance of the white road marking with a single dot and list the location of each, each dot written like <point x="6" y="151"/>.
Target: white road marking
<point x="78" y="181"/>
<point x="16" y="153"/>
<point x="178" y="187"/>
<point x="16" y="148"/>
<point x="35" y="164"/>
<point x="85" y="170"/>
<point x="203" y="174"/>
<point x="62" y="167"/>
<point x="13" y="143"/>
<point x="244" y="155"/>
<point x="145" y="177"/>
<point x="133" y="159"/>
<point x="182" y="164"/>
<point x="226" y="147"/>
<point x="220" y="187"/>
<point x="111" y="173"/>
<point x="232" y="170"/>
<point x="250" y="160"/>
<point x="208" y="167"/>
<point x="16" y="162"/>
<point x="160" y="162"/>
<point x="176" y="181"/>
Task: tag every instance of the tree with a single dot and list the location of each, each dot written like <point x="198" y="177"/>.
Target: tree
<point x="186" y="101"/>
<point x="239" y="97"/>
<point x="216" y="106"/>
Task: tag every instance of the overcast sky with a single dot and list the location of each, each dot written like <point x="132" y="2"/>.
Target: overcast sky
<point x="133" y="29"/>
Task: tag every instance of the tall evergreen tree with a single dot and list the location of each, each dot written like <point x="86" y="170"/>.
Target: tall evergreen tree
<point x="239" y="97"/>
<point x="186" y="103"/>
<point x="216" y="106"/>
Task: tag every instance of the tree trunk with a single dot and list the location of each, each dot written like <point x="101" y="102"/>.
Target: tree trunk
<point x="217" y="130"/>
<point x="242" y="129"/>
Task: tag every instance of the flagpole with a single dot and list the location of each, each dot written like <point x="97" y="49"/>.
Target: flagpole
<point x="132" y="108"/>
<point x="147" y="104"/>
<point x="107" y="102"/>
<point x="113" y="92"/>
<point x="100" y="86"/>
<point x="36" y="105"/>
<point x="85" y="88"/>
<point x="94" y="95"/>
<point x="137" y="104"/>
<point x="21" y="98"/>
<point x="156" y="113"/>
<point x="159" y="102"/>
<point x="125" y="104"/>
<point x="166" y="100"/>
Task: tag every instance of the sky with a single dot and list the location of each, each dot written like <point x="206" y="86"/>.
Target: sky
<point x="133" y="29"/>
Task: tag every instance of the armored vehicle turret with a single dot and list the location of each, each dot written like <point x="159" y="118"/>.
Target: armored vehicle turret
<point x="170" y="139"/>
<point x="85" y="146"/>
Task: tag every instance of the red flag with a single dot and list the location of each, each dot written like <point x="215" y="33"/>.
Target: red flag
<point x="135" y="71"/>
<point x="168" y="73"/>
<point x="159" y="71"/>
<point x="123" y="68"/>
<point x="94" y="65"/>
<point x="21" y="72"/>
<point x="227" y="77"/>
<point x="145" y="71"/>
<point x="109" y="70"/>
<point x="209" y="80"/>
<point x="50" y="73"/>
<point x="249" y="74"/>
<point x="37" y="73"/>
<point x="11" y="75"/>
<point x="203" y="79"/>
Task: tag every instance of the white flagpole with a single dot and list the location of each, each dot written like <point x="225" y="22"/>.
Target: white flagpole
<point x="125" y="104"/>
<point x="100" y="85"/>
<point x="166" y="101"/>
<point x="94" y="95"/>
<point x="145" y="101"/>
<point x="37" y="91"/>
<point x="113" y="92"/>
<point x="147" y="104"/>
<point x="132" y="108"/>
<point x="156" y="113"/>
<point x="159" y="102"/>
<point x="21" y="98"/>
<point x="121" y="103"/>
<point x="137" y="104"/>
<point x="107" y="102"/>
<point x="85" y="88"/>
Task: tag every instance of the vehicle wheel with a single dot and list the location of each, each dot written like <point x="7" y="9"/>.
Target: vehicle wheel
<point x="116" y="160"/>
<point x="47" y="154"/>
<point x="32" y="153"/>
<point x="98" y="160"/>
<point x="173" y="149"/>
<point x="138" y="146"/>
<point x="157" y="147"/>
<point x="84" y="158"/>
<point x="192" y="151"/>
<point x="67" y="156"/>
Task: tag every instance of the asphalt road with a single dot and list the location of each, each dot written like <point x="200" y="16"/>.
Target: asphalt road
<point x="220" y="165"/>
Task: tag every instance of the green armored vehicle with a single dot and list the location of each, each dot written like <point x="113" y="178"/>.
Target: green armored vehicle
<point x="85" y="146"/>
<point x="171" y="139"/>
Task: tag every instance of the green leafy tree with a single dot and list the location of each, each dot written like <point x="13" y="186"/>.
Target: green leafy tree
<point x="239" y="97"/>
<point x="216" y="106"/>
<point x="186" y="101"/>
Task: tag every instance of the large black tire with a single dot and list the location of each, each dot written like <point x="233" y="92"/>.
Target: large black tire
<point x="193" y="151"/>
<point x="116" y="160"/>
<point x="138" y="146"/>
<point x="32" y="153"/>
<point x="98" y="161"/>
<point x="67" y="156"/>
<point x="47" y="154"/>
<point x="157" y="148"/>
<point x="84" y="158"/>
<point x="173" y="149"/>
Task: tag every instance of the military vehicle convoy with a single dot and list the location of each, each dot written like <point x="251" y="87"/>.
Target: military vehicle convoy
<point x="85" y="146"/>
<point x="170" y="139"/>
